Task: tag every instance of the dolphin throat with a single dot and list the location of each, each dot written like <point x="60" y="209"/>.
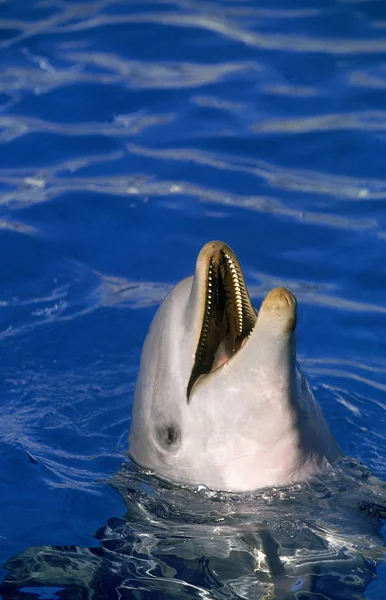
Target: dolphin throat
<point x="229" y="316"/>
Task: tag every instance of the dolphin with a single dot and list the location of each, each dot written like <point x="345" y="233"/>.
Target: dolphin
<point x="221" y="403"/>
<point x="220" y="399"/>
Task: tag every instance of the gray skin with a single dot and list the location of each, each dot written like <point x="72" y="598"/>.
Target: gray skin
<point x="249" y="423"/>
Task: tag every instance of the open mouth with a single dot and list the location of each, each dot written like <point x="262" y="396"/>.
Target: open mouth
<point x="229" y="316"/>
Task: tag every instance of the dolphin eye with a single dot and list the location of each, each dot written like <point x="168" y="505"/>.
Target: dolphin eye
<point x="169" y="436"/>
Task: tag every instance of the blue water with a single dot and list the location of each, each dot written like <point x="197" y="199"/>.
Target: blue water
<point x="131" y="133"/>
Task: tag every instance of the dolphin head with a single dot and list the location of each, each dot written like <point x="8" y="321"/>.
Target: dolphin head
<point x="220" y="400"/>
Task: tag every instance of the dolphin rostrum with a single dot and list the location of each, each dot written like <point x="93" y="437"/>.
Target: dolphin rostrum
<point x="220" y="400"/>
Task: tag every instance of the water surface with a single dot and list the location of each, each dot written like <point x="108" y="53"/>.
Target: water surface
<point x="131" y="133"/>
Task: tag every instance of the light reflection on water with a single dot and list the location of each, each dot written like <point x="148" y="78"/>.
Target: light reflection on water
<point x="182" y="543"/>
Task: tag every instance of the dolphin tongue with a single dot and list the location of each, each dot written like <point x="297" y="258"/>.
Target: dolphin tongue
<point x="221" y="356"/>
<point x="229" y="316"/>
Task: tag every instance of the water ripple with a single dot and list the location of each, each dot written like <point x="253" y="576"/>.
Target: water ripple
<point x="231" y="31"/>
<point x="340" y="187"/>
<point x="367" y="121"/>
<point x="148" y="75"/>
<point x="12" y="128"/>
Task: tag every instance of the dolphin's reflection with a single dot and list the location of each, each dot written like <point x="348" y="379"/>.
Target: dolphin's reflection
<point x="306" y="542"/>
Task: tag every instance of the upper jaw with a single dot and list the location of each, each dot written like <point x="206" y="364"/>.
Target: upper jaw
<point x="226" y="317"/>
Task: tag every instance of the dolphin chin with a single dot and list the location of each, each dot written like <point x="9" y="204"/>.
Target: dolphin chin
<point x="220" y="399"/>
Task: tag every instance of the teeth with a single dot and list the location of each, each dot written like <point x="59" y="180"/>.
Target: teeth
<point x="237" y="292"/>
<point x="207" y="314"/>
<point x="229" y="316"/>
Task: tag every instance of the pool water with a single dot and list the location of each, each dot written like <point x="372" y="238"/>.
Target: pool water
<point x="133" y="132"/>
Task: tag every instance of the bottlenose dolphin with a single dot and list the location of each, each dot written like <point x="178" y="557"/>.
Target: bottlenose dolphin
<point x="221" y="403"/>
<point x="220" y="399"/>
